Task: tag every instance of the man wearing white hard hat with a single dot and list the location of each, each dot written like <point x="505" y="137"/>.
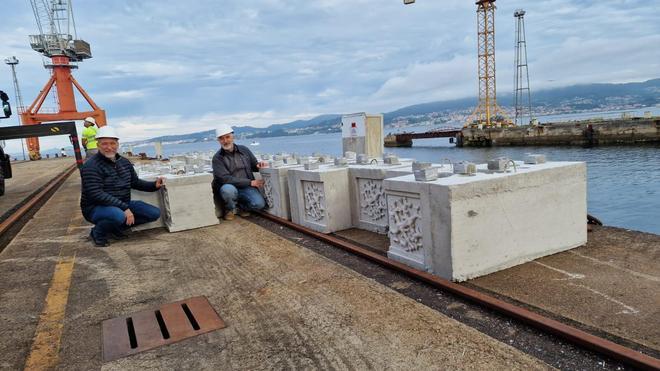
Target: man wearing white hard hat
<point x="107" y="180"/>
<point x="89" y="137"/>
<point x="233" y="166"/>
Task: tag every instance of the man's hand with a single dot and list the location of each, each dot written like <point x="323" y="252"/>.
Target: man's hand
<point x="257" y="183"/>
<point x="130" y="218"/>
<point x="159" y="182"/>
<point x="262" y="165"/>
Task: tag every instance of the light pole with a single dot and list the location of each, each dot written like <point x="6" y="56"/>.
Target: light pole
<point x="12" y="62"/>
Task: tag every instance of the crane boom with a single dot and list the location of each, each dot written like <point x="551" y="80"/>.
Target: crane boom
<point x="57" y="30"/>
<point x="58" y="41"/>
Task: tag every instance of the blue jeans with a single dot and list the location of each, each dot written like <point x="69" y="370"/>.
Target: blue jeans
<point x="111" y="219"/>
<point x="248" y="198"/>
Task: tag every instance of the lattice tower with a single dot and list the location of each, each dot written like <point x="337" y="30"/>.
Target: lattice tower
<point x="521" y="91"/>
<point x="487" y="113"/>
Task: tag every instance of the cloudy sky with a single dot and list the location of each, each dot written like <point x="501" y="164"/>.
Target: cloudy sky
<point x="163" y="67"/>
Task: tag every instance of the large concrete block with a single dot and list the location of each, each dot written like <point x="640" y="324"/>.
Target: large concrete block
<point x="276" y="189"/>
<point x="320" y="198"/>
<point x="188" y="202"/>
<point x="490" y="221"/>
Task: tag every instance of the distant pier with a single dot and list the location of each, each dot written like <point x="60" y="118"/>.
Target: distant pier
<point x="587" y="133"/>
<point x="405" y="139"/>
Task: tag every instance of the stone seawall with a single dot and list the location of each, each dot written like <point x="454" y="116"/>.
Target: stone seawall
<point x="579" y="133"/>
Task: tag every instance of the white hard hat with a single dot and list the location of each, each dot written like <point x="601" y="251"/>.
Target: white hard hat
<point x="106" y="132"/>
<point x="223" y="129"/>
<point x="90" y="119"/>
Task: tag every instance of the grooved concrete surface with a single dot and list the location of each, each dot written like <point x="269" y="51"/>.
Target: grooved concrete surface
<point x="28" y="176"/>
<point x="285" y="306"/>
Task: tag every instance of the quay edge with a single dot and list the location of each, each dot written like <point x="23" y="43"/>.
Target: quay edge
<point x="579" y="133"/>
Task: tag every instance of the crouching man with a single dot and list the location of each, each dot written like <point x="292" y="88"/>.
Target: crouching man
<point x="233" y="165"/>
<point x="107" y="179"/>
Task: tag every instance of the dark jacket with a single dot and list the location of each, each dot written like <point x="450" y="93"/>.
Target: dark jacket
<point x="225" y="170"/>
<point x="108" y="183"/>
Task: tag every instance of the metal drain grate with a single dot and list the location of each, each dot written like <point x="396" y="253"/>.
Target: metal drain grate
<point x="149" y="329"/>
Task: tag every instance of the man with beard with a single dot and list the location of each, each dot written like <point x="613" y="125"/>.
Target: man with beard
<point x="107" y="179"/>
<point x="233" y="165"/>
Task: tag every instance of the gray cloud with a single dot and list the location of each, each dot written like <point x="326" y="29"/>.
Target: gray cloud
<point x="267" y="61"/>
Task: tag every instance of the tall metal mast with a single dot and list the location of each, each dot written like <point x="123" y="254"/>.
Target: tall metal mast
<point x="12" y="62"/>
<point x="521" y="90"/>
<point x="487" y="113"/>
<point x="57" y="40"/>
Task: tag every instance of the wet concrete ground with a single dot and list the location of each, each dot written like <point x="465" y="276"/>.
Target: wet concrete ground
<point x="285" y="306"/>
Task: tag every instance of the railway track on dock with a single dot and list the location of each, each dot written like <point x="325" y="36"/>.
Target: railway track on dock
<point x="15" y="218"/>
<point x="535" y="334"/>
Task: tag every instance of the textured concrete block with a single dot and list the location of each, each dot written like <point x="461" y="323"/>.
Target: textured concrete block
<point x="276" y="190"/>
<point x="319" y="199"/>
<point x="489" y="221"/>
<point x="368" y="203"/>
<point x="188" y="202"/>
<point x="408" y="212"/>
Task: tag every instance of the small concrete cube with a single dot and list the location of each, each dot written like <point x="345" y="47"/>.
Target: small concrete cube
<point x="498" y="164"/>
<point x="275" y="163"/>
<point x="350" y="155"/>
<point x="391" y="160"/>
<point x="465" y="168"/>
<point x="188" y="202"/>
<point x="534" y="159"/>
<point x="311" y="165"/>
<point x="341" y="161"/>
<point x="426" y="175"/>
<point x="420" y="165"/>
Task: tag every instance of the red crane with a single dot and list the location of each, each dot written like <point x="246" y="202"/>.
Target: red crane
<point x="57" y="40"/>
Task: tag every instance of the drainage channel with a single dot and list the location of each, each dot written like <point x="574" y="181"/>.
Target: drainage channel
<point x="556" y="343"/>
<point x="13" y="220"/>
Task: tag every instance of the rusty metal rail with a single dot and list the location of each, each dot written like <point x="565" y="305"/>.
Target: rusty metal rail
<point x="35" y="199"/>
<point x="561" y="330"/>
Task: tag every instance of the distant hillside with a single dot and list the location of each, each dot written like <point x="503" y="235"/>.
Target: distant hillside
<point x="568" y="99"/>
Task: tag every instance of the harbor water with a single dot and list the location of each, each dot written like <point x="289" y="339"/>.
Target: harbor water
<point x="623" y="181"/>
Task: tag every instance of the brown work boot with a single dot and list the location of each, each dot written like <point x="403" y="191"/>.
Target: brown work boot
<point x="229" y="215"/>
<point x="243" y="213"/>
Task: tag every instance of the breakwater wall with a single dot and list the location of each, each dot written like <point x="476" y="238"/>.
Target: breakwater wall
<point x="578" y="133"/>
